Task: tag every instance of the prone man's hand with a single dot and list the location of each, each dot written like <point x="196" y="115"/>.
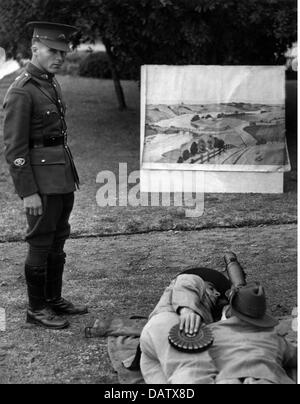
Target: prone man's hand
<point x="33" y="205"/>
<point x="190" y="322"/>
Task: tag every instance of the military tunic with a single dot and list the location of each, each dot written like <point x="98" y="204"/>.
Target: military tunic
<point x="240" y="350"/>
<point x="40" y="161"/>
<point x="35" y="136"/>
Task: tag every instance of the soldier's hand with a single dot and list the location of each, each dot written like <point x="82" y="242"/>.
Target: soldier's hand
<point x="190" y="322"/>
<point x="33" y="205"/>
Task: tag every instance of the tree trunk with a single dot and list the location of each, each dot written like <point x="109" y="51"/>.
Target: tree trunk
<point x="116" y="78"/>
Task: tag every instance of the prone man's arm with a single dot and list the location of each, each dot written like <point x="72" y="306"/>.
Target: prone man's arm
<point x="188" y="291"/>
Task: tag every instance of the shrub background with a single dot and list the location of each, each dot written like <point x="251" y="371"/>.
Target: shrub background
<point x="96" y="65"/>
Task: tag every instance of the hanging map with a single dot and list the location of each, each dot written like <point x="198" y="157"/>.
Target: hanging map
<point x="214" y="118"/>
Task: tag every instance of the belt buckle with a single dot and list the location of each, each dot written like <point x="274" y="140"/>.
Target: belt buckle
<point x="50" y="141"/>
<point x="37" y="144"/>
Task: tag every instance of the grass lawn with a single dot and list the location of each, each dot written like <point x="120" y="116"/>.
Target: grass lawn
<point x="126" y="275"/>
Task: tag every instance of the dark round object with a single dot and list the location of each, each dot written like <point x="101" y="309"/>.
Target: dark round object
<point x="221" y="283"/>
<point x="191" y="344"/>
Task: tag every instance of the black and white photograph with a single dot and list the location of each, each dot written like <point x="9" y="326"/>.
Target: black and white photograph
<point x="148" y="195"/>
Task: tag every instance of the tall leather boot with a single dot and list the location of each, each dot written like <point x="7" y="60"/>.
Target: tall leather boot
<point x="54" y="281"/>
<point x="37" y="312"/>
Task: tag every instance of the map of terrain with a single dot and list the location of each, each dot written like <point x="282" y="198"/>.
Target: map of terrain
<point x="219" y="134"/>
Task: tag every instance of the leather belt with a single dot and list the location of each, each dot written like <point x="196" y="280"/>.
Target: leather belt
<point x="47" y="142"/>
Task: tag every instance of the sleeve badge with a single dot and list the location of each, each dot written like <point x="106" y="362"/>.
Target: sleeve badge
<point x="19" y="162"/>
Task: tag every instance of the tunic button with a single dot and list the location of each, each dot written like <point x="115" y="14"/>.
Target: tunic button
<point x="48" y="112"/>
<point x="43" y="161"/>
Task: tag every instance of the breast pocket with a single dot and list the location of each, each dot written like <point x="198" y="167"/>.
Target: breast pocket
<point x="51" y="123"/>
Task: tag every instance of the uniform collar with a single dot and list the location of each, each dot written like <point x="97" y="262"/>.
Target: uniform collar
<point x="36" y="72"/>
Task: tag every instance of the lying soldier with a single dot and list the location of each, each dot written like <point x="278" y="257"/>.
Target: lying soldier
<point x="193" y="298"/>
<point x="246" y="350"/>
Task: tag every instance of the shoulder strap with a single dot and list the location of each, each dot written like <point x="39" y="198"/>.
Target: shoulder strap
<point x="18" y="83"/>
<point x="21" y="80"/>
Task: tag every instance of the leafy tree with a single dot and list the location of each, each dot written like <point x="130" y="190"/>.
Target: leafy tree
<point x="210" y="143"/>
<point x="195" y="118"/>
<point x="186" y="155"/>
<point x="138" y="32"/>
<point x="194" y="149"/>
<point x="195" y="31"/>
<point x="218" y="143"/>
<point x="202" y="146"/>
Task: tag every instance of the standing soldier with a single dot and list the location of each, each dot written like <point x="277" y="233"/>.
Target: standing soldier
<point x="43" y="171"/>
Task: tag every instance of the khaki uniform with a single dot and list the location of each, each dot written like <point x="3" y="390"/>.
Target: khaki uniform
<point x="243" y="351"/>
<point x="40" y="162"/>
<point x="36" y="149"/>
<point x="160" y="362"/>
<point x="35" y="136"/>
<point x="240" y="350"/>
